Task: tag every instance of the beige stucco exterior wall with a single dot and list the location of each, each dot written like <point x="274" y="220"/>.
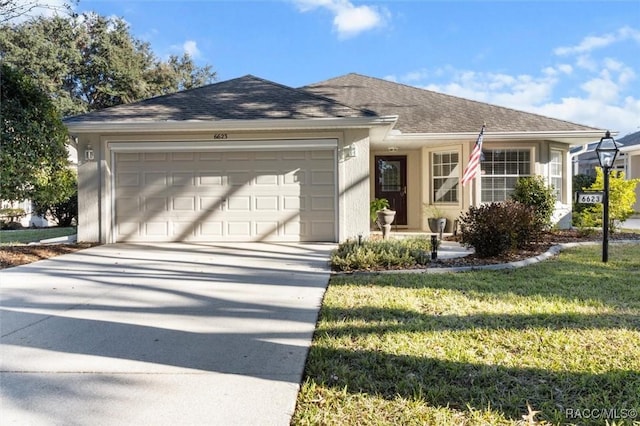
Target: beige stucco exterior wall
<point x="353" y="186"/>
<point x="94" y="192"/>
<point x="89" y="193"/>
<point x="419" y="177"/>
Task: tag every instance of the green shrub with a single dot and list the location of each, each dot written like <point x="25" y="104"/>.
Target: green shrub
<point x="381" y="254"/>
<point x="534" y="192"/>
<point x="65" y="213"/>
<point x="496" y="228"/>
<point x="622" y="197"/>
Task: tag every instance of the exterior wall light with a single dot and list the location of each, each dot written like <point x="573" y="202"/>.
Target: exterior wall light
<point x="351" y="151"/>
<point x="88" y="153"/>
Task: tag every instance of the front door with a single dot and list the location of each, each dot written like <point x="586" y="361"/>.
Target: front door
<point x="391" y="183"/>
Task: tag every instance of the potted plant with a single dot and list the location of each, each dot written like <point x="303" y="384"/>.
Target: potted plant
<point x="376" y="205"/>
<point x="381" y="214"/>
<point x="436" y="219"/>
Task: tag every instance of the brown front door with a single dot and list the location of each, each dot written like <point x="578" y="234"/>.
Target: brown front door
<point x="391" y="183"/>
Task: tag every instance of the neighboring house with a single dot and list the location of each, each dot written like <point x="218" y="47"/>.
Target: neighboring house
<point x="628" y="160"/>
<point x="631" y="151"/>
<point x="252" y="160"/>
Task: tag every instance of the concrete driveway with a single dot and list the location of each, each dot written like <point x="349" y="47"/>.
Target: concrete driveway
<point x="162" y="334"/>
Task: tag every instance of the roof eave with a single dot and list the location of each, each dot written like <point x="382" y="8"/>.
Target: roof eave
<point x="570" y="137"/>
<point x="191" y="126"/>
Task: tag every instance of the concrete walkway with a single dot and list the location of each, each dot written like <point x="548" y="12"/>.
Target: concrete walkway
<point x="163" y="334"/>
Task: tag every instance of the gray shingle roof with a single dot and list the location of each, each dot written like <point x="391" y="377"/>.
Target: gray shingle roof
<point x="424" y="111"/>
<point x="630" y="139"/>
<point x="244" y="98"/>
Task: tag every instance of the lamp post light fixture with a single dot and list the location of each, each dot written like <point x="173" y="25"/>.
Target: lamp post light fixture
<point x="607" y="151"/>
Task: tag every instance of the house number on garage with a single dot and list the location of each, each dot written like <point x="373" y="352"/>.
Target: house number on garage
<point x="221" y="136"/>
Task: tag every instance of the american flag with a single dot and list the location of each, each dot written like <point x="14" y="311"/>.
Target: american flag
<point x="473" y="167"/>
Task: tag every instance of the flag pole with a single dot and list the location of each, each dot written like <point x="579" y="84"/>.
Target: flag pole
<point x="473" y="167"/>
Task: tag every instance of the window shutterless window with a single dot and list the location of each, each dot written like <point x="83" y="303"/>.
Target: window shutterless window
<point x="555" y="172"/>
<point x="445" y="177"/>
<point x="501" y="169"/>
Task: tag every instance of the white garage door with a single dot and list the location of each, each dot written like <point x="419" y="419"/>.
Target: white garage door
<point x="225" y="196"/>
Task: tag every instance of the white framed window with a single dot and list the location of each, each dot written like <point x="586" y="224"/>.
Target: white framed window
<point x="501" y="169"/>
<point x="444" y="175"/>
<point x="555" y="172"/>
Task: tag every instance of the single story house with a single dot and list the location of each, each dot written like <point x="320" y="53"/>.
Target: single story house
<point x="252" y="160"/>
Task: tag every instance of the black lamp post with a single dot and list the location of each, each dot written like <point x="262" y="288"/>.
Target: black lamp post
<point x="607" y="151"/>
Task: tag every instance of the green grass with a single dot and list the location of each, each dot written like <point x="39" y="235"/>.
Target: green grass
<point x="24" y="236"/>
<point x="477" y="348"/>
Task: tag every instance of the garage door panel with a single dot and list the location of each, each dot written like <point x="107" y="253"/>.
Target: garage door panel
<point x="239" y="203"/>
<point x="210" y="179"/>
<point x="154" y="156"/>
<point x="182" y="156"/>
<point x="294" y="155"/>
<point x="267" y="178"/>
<point x="208" y="156"/>
<point x="156" y="229"/>
<point x="225" y="196"/>
<point x="154" y="179"/>
<point x="155" y="204"/>
<point x="264" y="229"/>
<point x="239" y="178"/>
<point x="241" y="229"/>
<point x="182" y="179"/>
<point x="131" y="179"/>
<point x="322" y="177"/>
<point x="127" y="229"/>
<point x="237" y="156"/>
<point x="295" y="177"/>
<point x="210" y="203"/>
<point x="266" y="156"/>
<point x="322" y="203"/>
<point x="212" y="229"/>
<point x="269" y="203"/>
<point x="183" y="229"/>
<point x="128" y="156"/>
<point x="184" y="204"/>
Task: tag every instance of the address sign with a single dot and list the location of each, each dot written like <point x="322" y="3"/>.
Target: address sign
<point x="589" y="197"/>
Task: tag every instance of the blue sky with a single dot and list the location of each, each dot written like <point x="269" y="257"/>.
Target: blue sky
<point x="574" y="60"/>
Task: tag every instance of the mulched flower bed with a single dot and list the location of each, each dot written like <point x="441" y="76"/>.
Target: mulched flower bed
<point x="548" y="240"/>
<point x="23" y="254"/>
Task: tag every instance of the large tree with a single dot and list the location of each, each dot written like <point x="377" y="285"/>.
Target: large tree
<point x="32" y="138"/>
<point x="90" y="62"/>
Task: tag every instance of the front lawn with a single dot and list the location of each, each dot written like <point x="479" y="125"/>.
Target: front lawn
<point x="561" y="337"/>
<point x="23" y="236"/>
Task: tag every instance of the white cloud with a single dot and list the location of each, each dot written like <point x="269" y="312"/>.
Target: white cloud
<point x="348" y="20"/>
<point x="590" y="43"/>
<point x="519" y="91"/>
<point x="598" y="102"/>
<point x="191" y="48"/>
<point x="594" y="87"/>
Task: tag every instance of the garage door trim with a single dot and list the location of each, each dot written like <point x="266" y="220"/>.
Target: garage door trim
<point x="196" y="146"/>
